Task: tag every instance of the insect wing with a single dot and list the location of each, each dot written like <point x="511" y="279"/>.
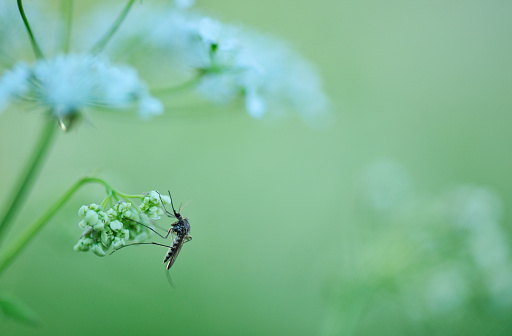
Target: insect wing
<point x="175" y="252"/>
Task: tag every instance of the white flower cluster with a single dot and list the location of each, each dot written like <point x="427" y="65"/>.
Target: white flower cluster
<point x="152" y="203"/>
<point x="477" y="211"/>
<point x="237" y="62"/>
<point x="102" y="228"/>
<point x="113" y="228"/>
<point x="232" y="62"/>
<point x="461" y="251"/>
<point x="67" y="84"/>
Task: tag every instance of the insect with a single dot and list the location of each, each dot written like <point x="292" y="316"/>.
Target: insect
<point x="180" y="228"/>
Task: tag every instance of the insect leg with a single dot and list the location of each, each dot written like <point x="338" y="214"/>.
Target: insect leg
<point x="152" y="243"/>
<point x="164" y="237"/>
<point x="186" y="239"/>
<point x="169" y="279"/>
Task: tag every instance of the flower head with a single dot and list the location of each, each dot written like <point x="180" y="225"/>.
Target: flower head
<point x="106" y="229"/>
<point x="68" y="84"/>
<point x="232" y="62"/>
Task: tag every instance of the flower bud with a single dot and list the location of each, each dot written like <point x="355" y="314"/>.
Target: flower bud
<point x="83" y="244"/>
<point x="95" y="207"/>
<point x="106" y="238"/>
<point x="117" y="243"/>
<point x="124" y="234"/>
<point x="116" y="225"/>
<point x="111" y="213"/>
<point x="96" y="248"/>
<point x="91" y="217"/>
<point x="154" y="197"/>
<point x="99" y="226"/>
<point x="82" y="211"/>
<point x="166" y="199"/>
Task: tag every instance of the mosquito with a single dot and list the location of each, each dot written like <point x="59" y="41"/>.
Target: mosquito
<point x="180" y="228"/>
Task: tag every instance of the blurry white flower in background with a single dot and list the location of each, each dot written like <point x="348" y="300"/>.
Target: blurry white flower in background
<point x="14" y="83"/>
<point x="387" y="184"/>
<point x="442" y="254"/>
<point x="226" y="62"/>
<point x="184" y="3"/>
<point x="479" y="211"/>
<point x="235" y="63"/>
<point x="67" y="84"/>
<point x="446" y="289"/>
<point x="472" y="206"/>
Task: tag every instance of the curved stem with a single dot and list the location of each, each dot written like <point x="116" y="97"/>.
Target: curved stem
<point x="27" y="178"/>
<point x="100" y="45"/>
<point x="35" y="46"/>
<point x="67" y="10"/>
<point x="17" y="246"/>
<point x="129" y="196"/>
<point x="184" y="86"/>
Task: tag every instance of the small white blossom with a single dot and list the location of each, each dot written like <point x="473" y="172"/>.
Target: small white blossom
<point x="108" y="229"/>
<point x="116" y="225"/>
<point x="117" y="243"/>
<point x="13" y="84"/>
<point x="232" y="62"/>
<point x="152" y="204"/>
<point x="98" y="250"/>
<point x="184" y="4"/>
<point x="67" y="84"/>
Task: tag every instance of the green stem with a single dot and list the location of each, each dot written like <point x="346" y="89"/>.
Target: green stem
<point x="35" y="46"/>
<point x="27" y="178"/>
<point x="98" y="47"/>
<point x="67" y="10"/>
<point x="175" y="89"/>
<point x="17" y="246"/>
<point x="129" y="196"/>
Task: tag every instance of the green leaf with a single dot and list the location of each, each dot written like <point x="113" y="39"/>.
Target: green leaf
<point x="14" y="308"/>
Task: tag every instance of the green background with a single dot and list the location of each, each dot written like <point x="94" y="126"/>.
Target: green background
<point x="275" y="204"/>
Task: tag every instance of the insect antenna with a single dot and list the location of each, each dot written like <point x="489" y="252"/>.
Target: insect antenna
<point x="163" y="205"/>
<point x="184" y="206"/>
<point x="176" y="214"/>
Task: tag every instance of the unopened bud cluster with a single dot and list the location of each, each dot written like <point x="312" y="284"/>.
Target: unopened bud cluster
<point x="152" y="206"/>
<point x="115" y="227"/>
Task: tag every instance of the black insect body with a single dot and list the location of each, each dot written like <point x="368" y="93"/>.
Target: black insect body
<point x="180" y="228"/>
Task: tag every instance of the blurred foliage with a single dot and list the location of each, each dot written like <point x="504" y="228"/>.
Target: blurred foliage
<point x="294" y="233"/>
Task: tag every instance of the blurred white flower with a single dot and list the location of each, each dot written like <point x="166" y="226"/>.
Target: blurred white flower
<point x="232" y="62"/>
<point x="447" y="290"/>
<point x="13" y="84"/>
<point x="500" y="285"/>
<point x="387" y="183"/>
<point x="184" y="4"/>
<point x="474" y="207"/>
<point x="66" y="84"/>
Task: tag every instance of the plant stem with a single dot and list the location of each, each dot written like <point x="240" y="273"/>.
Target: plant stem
<point x="100" y="45"/>
<point x="67" y="10"/>
<point x="17" y="246"/>
<point x="35" y="46"/>
<point x="26" y="180"/>
<point x="183" y="86"/>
